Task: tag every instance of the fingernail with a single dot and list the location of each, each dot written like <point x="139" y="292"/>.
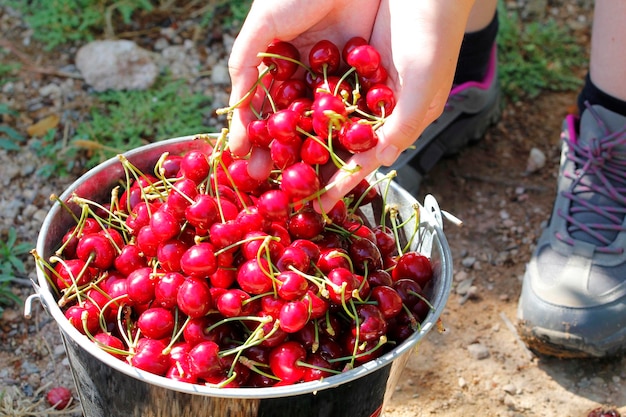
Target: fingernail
<point x="388" y="155"/>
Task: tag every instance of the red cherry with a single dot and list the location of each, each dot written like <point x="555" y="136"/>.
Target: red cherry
<point x="97" y="250"/>
<point x="280" y="68"/>
<point x="317" y="306"/>
<point x="334" y="86"/>
<point x="291" y="285"/>
<point x="258" y="134"/>
<point x="364" y="351"/>
<point x="274" y="205"/>
<point x="166" y="289"/>
<point x="341" y="283"/>
<point x="379" y="277"/>
<point x="230" y="303"/>
<point x="140" y="285"/>
<point x="147" y="241"/>
<point x="288" y="91"/>
<point x="306" y="224"/>
<point x="357" y="137"/>
<point x="150" y="356"/>
<point x="73" y="270"/>
<point x="253" y="276"/>
<point x="203" y="212"/>
<point x="364" y="58"/>
<point x="225" y="234"/>
<point x="59" y="397"/>
<point x="350" y="45"/>
<point x="365" y="255"/>
<point x="282" y="125"/>
<point x="254" y="242"/>
<point x="313" y="151"/>
<point x="83" y="318"/>
<point x="388" y="300"/>
<point x="293" y="316"/>
<point x="139" y="217"/>
<point x="169" y="254"/>
<point x="318" y="369"/>
<point x="371" y="323"/>
<point x="194" y="298"/>
<point x="204" y="359"/>
<point x="329" y="113"/>
<point x="199" y="260"/>
<point x="252" y="218"/>
<point x="223" y="277"/>
<point x="300" y="181"/>
<point x="195" y="166"/>
<point x="110" y="344"/>
<point x="284" y="361"/>
<point x="415" y="266"/>
<point x="241" y="178"/>
<point x="379" y="77"/>
<point x="180" y="197"/>
<point x="285" y="154"/>
<point x="156" y="323"/>
<point x="380" y="100"/>
<point x="129" y="259"/>
<point x="324" y="57"/>
<point x="164" y="225"/>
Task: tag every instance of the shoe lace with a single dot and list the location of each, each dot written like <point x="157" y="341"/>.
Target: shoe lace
<point x="601" y="169"/>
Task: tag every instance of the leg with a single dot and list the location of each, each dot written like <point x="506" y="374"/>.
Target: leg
<point x="473" y="106"/>
<point x="573" y="300"/>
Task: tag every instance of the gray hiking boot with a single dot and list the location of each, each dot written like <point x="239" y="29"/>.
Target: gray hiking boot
<point x="472" y="107"/>
<point x="573" y="300"/>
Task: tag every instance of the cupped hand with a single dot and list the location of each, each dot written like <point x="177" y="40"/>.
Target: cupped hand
<point x="418" y="41"/>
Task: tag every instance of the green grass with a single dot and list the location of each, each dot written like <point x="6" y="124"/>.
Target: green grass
<point x="536" y="56"/>
<point x="58" y="22"/>
<point x="12" y="256"/>
<point x="124" y="120"/>
<point x="55" y="22"/>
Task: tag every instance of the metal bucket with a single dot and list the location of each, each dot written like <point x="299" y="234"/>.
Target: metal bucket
<point x="109" y="387"/>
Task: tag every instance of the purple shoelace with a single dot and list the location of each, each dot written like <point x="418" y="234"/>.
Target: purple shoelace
<point x="601" y="169"/>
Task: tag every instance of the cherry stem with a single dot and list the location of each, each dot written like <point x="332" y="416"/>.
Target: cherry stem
<point x="229" y="109"/>
<point x="254" y="366"/>
<point x="319" y="368"/>
<point x="381" y="342"/>
<point x="55" y="198"/>
<point x="176" y="333"/>
<point x="45" y="266"/>
<point x="286" y="58"/>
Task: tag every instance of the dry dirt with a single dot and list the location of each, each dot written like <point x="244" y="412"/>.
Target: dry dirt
<point x="503" y="210"/>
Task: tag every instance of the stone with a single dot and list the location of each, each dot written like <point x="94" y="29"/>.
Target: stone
<point x="116" y="65"/>
<point x="478" y="351"/>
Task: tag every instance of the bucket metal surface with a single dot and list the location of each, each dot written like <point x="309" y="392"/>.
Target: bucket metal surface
<point x="109" y="387"/>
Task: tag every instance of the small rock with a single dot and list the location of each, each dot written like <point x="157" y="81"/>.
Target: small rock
<point x="536" y="160"/>
<point x="59" y="350"/>
<point x="468" y="261"/>
<point x="478" y="351"/>
<point x="461" y="276"/>
<point x="116" y="65"/>
<point x="220" y="75"/>
<point x="510" y="389"/>
<point x="464" y="286"/>
<point x="462" y="382"/>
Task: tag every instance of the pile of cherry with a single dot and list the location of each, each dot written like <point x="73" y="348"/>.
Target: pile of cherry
<point x="200" y="273"/>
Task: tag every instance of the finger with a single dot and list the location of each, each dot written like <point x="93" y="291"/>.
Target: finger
<point x="260" y="163"/>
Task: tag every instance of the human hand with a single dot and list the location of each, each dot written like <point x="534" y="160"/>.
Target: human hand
<point x="418" y="43"/>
